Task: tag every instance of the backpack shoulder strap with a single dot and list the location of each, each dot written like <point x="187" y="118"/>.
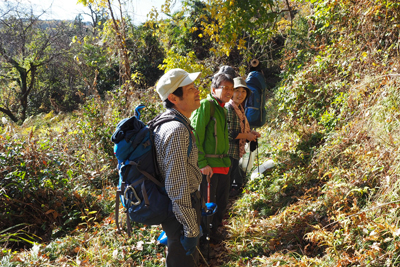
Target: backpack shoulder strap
<point x="212" y="108"/>
<point x="157" y="121"/>
<point x="189" y="128"/>
<point x="212" y="112"/>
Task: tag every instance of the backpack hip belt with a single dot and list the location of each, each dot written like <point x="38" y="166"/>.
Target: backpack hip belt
<point x="216" y="156"/>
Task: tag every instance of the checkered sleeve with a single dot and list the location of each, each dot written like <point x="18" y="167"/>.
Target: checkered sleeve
<point x="233" y="130"/>
<point x="180" y="173"/>
<point x="233" y="123"/>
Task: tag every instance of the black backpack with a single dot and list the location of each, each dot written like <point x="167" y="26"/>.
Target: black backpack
<point x="140" y="190"/>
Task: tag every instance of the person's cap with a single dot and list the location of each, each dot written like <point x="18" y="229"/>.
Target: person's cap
<point x="172" y="80"/>
<point x="228" y="70"/>
<point x="240" y="82"/>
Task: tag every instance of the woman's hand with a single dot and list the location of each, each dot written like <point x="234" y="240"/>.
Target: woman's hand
<point x="257" y="134"/>
<point x="251" y="137"/>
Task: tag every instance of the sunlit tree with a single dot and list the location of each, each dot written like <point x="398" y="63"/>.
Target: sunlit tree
<point x="26" y="46"/>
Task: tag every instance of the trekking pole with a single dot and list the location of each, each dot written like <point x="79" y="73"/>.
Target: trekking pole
<point x="208" y="225"/>
<point x="248" y="162"/>
<point x="208" y="189"/>
<point x="258" y="161"/>
<point x="201" y="257"/>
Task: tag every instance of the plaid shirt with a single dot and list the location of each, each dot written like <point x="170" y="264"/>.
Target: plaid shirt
<point x="181" y="174"/>
<point x="233" y="130"/>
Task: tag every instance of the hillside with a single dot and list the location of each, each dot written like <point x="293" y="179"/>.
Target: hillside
<point x="333" y="131"/>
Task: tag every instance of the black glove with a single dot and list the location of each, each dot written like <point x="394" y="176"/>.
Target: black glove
<point x="253" y="145"/>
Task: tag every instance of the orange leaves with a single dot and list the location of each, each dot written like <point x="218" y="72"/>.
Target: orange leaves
<point x="318" y="48"/>
<point x="76" y="195"/>
<point x="55" y="213"/>
<point x="274" y="243"/>
<point x="77" y="249"/>
<point x="159" y="256"/>
<point x="108" y="220"/>
<point x="16" y="259"/>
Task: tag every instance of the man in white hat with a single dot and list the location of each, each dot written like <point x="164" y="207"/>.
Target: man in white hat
<point x="177" y="157"/>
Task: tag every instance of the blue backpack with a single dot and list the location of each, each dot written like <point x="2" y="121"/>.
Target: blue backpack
<point x="255" y="104"/>
<point x="140" y="191"/>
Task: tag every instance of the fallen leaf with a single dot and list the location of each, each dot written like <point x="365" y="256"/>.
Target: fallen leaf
<point x="139" y="245"/>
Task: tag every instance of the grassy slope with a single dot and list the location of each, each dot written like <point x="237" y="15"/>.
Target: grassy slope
<point x="332" y="200"/>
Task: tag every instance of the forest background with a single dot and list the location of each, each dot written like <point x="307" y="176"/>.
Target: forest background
<point x="332" y="69"/>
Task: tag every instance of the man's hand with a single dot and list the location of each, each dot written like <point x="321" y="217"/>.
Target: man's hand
<point x="207" y="170"/>
<point x="189" y="244"/>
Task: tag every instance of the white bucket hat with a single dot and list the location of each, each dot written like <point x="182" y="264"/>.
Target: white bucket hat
<point x="174" y="79"/>
<point x="240" y="82"/>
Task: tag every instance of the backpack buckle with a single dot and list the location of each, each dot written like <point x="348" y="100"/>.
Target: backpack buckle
<point x="134" y="193"/>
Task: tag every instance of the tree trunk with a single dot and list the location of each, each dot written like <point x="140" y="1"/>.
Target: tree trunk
<point x="9" y="114"/>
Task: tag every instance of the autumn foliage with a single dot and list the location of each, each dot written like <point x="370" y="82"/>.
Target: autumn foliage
<point x="332" y="130"/>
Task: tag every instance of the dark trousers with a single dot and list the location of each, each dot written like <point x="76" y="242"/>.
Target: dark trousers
<point x="220" y="185"/>
<point x="235" y="173"/>
<point x="176" y="256"/>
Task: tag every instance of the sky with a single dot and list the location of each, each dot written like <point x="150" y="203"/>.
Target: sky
<point x="69" y="9"/>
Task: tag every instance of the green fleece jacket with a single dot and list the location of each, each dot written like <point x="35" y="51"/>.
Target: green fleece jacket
<point x="204" y="132"/>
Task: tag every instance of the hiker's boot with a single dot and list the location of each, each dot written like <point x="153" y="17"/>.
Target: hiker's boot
<point x="216" y="237"/>
<point x="234" y="192"/>
<point x="207" y="250"/>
